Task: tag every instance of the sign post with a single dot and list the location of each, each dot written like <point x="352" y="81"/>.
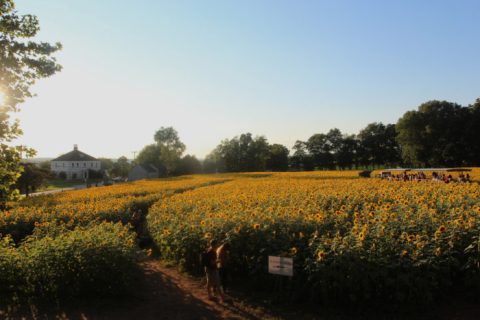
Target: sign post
<point x="280" y="265"/>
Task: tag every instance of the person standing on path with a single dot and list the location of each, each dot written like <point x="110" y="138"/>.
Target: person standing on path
<point x="223" y="261"/>
<point x="211" y="271"/>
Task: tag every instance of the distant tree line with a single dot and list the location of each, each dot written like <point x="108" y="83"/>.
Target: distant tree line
<point x="438" y="133"/>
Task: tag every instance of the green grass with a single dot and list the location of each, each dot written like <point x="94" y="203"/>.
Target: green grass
<point x="56" y="184"/>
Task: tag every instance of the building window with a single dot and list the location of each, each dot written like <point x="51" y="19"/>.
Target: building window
<point x="91" y="164"/>
<point x="84" y="164"/>
<point x="63" y="164"/>
<point x="73" y="164"/>
<point x="77" y="164"/>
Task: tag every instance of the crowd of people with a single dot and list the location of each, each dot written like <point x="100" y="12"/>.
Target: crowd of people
<point x="421" y="176"/>
<point x="215" y="261"/>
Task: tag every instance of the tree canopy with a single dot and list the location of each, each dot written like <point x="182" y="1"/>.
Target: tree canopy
<point x="165" y="153"/>
<point x="246" y="153"/>
<point x="22" y="62"/>
<point x="439" y="133"/>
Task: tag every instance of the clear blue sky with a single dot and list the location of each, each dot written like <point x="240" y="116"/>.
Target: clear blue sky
<point x="215" y="69"/>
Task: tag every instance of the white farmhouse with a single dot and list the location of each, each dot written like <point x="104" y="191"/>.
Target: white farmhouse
<point x="75" y="164"/>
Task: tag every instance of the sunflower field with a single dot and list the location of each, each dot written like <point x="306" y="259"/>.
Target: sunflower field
<point x="79" y="243"/>
<point x="352" y="240"/>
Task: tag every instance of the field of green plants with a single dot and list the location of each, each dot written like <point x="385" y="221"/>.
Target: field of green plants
<point x="353" y="240"/>
<point x="79" y="243"/>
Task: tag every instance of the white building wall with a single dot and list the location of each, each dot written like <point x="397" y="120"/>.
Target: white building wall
<point x="79" y="168"/>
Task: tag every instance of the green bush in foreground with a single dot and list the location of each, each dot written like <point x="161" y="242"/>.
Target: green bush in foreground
<point x="98" y="261"/>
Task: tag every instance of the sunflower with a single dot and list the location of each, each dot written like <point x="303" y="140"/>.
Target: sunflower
<point x="321" y="255"/>
<point x="361" y="236"/>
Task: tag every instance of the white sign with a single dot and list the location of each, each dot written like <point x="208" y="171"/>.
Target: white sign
<point x="280" y="265"/>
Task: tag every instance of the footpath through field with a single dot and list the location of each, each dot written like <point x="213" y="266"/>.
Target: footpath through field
<point x="168" y="294"/>
<point x="164" y="294"/>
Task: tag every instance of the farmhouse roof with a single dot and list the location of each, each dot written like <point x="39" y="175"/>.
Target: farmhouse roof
<point x="75" y="155"/>
<point x="149" y="168"/>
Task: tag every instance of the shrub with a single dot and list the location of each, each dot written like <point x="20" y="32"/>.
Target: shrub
<point x="11" y="273"/>
<point x="55" y="263"/>
<point x="365" y="173"/>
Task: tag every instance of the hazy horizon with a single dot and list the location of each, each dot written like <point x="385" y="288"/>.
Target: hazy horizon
<point x="216" y="69"/>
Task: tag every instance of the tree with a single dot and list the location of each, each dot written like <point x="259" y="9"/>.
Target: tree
<point x="301" y="158"/>
<point x="22" y="62"/>
<point x="435" y="134"/>
<point x="121" y="167"/>
<point x="170" y="147"/>
<point x="378" y="145"/>
<point x="106" y="165"/>
<point x="31" y="178"/>
<point x="319" y="146"/>
<point x="346" y="155"/>
<point x="214" y="162"/>
<point x="189" y="165"/>
<point x="165" y="153"/>
<point x="240" y="154"/>
<point x="472" y="128"/>
<point x="277" y="159"/>
<point x="150" y="155"/>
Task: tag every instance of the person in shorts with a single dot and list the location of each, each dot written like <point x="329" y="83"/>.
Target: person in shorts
<point x="211" y="271"/>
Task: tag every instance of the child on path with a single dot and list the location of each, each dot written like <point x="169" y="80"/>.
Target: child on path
<point x="211" y="271"/>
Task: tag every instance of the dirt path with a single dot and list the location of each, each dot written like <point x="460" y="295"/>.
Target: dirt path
<point x="172" y="295"/>
<point x="169" y="294"/>
<point x="165" y="294"/>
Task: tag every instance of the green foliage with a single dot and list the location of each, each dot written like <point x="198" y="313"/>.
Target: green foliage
<point x="170" y="146"/>
<point x="106" y="164"/>
<point x="22" y="62"/>
<point x="31" y="178"/>
<point x="363" y="243"/>
<point x="374" y="145"/>
<point x="301" y="159"/>
<point x="10" y="265"/>
<point x="378" y="145"/>
<point x="240" y="154"/>
<point x="277" y="159"/>
<point x="120" y="168"/>
<point x="320" y="147"/>
<point x="151" y="155"/>
<point x="165" y="154"/>
<point x="189" y="165"/>
<point x="56" y="264"/>
<point x="440" y="133"/>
